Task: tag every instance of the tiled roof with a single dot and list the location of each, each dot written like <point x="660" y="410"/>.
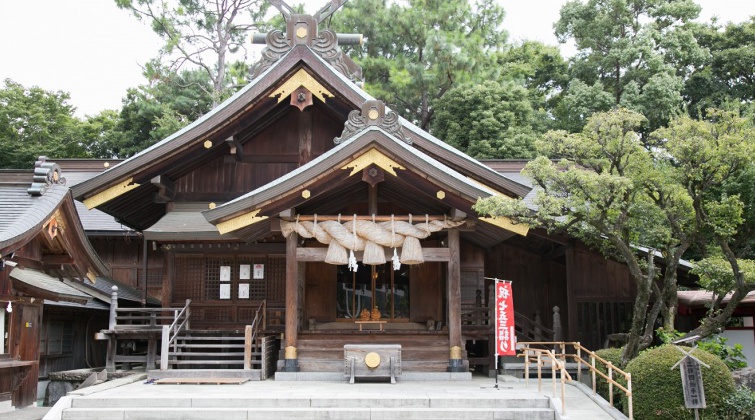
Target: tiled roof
<point x="41" y="281"/>
<point x="21" y="213"/>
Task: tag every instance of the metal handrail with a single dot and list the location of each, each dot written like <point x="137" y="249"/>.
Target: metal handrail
<point x="577" y="357"/>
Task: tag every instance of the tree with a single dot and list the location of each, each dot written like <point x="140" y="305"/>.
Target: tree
<point x="728" y="74"/>
<point x="201" y="33"/>
<point x="708" y="153"/>
<point x="418" y="50"/>
<point x="489" y="120"/>
<point x="35" y="122"/>
<point x="611" y="192"/>
<point x="538" y="67"/>
<point x="152" y="112"/>
<point x="638" y="51"/>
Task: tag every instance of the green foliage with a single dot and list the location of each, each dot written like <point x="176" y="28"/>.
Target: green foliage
<point x="639" y="52"/>
<point x="732" y="356"/>
<point x="35" y="122"/>
<point x="200" y="33"/>
<point x="738" y="406"/>
<point x="727" y="74"/>
<point x="658" y="390"/>
<point x="152" y="112"/>
<point x="420" y="49"/>
<point x="490" y="120"/>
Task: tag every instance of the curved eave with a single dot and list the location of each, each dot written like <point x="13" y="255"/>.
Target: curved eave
<point x="300" y="179"/>
<point x="26" y="224"/>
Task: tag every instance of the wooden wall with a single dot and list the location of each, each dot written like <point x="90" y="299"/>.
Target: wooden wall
<point x="538" y="284"/>
<point x="124" y="254"/>
<point x="82" y="351"/>
<point x="320" y="292"/>
<point x="275" y="151"/>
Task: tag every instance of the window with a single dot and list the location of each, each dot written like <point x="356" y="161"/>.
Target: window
<point x="371" y="286"/>
<point x="57" y="339"/>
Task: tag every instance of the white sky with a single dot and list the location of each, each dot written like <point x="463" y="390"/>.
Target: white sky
<point x="93" y="50"/>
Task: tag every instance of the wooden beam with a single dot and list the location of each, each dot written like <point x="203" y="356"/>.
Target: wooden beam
<point x="166" y="189"/>
<point x="57" y="259"/>
<point x="318" y="254"/>
<point x="237" y="149"/>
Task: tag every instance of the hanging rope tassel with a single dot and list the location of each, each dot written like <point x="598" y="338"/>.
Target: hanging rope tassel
<point x="353" y="259"/>
<point x="395" y="259"/>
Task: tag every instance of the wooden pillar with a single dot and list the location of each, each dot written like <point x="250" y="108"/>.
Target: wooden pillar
<point x="453" y="285"/>
<point x="571" y="299"/>
<point x="144" y="271"/>
<point x="168" y="278"/>
<point x="292" y="303"/>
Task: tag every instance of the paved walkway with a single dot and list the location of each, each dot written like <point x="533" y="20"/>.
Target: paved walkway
<point x="578" y="404"/>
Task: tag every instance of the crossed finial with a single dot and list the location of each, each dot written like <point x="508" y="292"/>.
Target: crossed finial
<point x="321" y="15"/>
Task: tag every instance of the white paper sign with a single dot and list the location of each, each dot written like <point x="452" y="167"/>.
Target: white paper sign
<point x="225" y="291"/>
<point x="225" y="273"/>
<point x="244" y="271"/>
<point x="243" y="290"/>
<point x="259" y="271"/>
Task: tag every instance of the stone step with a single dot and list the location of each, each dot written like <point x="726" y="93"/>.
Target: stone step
<point x="255" y="402"/>
<point x="307" y="413"/>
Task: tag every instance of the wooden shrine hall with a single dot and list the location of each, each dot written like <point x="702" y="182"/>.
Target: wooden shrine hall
<point x="305" y="198"/>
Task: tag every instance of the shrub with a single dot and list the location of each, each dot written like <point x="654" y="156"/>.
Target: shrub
<point x="733" y="356"/>
<point x="613" y="356"/>
<point x="738" y="406"/>
<point x="658" y="390"/>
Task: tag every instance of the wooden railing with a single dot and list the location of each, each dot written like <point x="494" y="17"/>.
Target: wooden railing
<point x="540" y="357"/>
<point x="251" y="333"/>
<point x="170" y="332"/>
<point x="577" y="357"/>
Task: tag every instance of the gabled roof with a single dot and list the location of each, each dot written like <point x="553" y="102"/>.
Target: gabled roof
<point x="126" y="190"/>
<point x="39" y="207"/>
<point x="336" y="162"/>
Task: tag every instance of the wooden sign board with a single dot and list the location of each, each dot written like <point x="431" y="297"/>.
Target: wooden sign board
<point x="692" y="383"/>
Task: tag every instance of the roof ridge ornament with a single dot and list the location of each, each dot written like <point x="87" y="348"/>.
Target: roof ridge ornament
<point x="46" y="174"/>
<point x="373" y="113"/>
<point x="302" y="29"/>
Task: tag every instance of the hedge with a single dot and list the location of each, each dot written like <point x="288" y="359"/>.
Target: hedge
<point x="658" y="389"/>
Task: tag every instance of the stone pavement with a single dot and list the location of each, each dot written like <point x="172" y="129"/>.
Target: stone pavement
<point x="579" y="405"/>
<point x="28" y="413"/>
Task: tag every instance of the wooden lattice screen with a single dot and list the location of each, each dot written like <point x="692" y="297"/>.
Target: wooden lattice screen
<point x="189" y="278"/>
<point x="198" y="277"/>
<point x="276" y="279"/>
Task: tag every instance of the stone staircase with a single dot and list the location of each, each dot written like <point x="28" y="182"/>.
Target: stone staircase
<point x="294" y="407"/>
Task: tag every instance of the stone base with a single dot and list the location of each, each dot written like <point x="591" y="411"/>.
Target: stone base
<point x="456" y="365"/>
<point x="290" y="365"/>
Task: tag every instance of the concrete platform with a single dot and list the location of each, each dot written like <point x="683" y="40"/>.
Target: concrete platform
<point x="471" y="399"/>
